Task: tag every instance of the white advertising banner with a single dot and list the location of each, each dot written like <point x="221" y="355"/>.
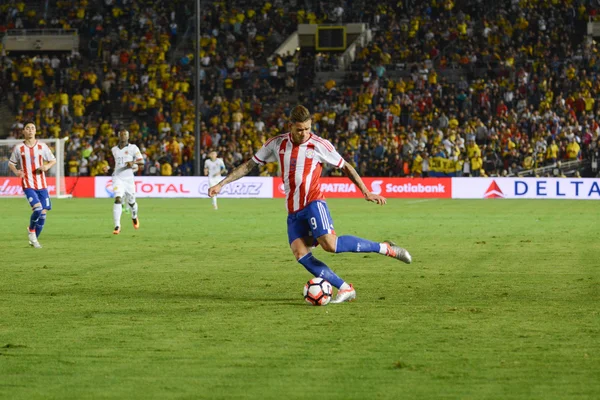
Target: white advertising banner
<point x="526" y="188"/>
<point x="188" y="186"/>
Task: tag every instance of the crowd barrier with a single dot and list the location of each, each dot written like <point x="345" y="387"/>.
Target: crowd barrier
<point x="265" y="187"/>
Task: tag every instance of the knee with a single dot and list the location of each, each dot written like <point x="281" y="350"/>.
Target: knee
<point x="299" y="253"/>
<point x="328" y="243"/>
<point x="117" y="200"/>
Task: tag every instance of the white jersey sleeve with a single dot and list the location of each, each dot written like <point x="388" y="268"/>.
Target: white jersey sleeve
<point x="47" y="153"/>
<point x="268" y="152"/>
<point x="15" y="157"/>
<point x="137" y="154"/>
<point x="328" y="154"/>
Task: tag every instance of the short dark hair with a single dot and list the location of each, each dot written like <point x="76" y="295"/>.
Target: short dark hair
<point x="299" y="114"/>
<point x="29" y="122"/>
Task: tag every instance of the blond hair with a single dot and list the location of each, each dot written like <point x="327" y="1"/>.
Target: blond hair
<point x="299" y="114"/>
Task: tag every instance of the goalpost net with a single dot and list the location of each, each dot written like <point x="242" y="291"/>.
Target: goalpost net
<point x="10" y="185"/>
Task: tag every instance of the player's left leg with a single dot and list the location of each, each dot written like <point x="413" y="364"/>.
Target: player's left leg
<point x="133" y="206"/>
<point x="325" y="234"/>
<point x="47" y="206"/>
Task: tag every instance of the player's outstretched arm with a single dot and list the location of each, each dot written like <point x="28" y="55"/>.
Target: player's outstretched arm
<point x="236" y="174"/>
<point x="356" y="179"/>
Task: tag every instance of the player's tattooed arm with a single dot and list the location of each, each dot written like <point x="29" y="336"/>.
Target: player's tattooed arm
<point x="236" y="174"/>
<point x="356" y="179"/>
<point x="239" y="172"/>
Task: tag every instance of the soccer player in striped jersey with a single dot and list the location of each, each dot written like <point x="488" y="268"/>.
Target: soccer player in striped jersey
<point x="300" y="154"/>
<point x="30" y="161"/>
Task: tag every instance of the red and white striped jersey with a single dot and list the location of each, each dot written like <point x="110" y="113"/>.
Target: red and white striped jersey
<point x="30" y="158"/>
<point x="300" y="166"/>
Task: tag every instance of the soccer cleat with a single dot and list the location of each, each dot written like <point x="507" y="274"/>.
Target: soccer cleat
<point x="117" y="230"/>
<point x="136" y="223"/>
<point x="397" y="252"/>
<point x="33" y="239"/>
<point x="344" y="295"/>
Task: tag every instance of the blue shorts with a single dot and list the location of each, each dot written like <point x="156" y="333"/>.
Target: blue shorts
<point x="38" y="196"/>
<point x="313" y="220"/>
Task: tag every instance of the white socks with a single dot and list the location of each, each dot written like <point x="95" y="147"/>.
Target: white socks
<point x="214" y="201"/>
<point x="344" y="286"/>
<point x="134" y="210"/>
<point x="383" y="249"/>
<point x="117" y="210"/>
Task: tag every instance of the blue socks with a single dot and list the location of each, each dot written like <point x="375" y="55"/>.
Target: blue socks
<point x="40" y="225"/>
<point x="320" y="269"/>
<point x="355" y="244"/>
<point x="34" y="217"/>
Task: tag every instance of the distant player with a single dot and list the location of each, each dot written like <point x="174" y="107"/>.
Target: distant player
<point x="30" y="161"/>
<point x="128" y="159"/>
<point x="300" y="154"/>
<point x="213" y="168"/>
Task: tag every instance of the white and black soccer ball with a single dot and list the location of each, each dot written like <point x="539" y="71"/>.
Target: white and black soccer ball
<point x="317" y="292"/>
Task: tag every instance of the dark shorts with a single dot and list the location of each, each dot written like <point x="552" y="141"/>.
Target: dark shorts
<point x="313" y="220"/>
<point x="38" y="196"/>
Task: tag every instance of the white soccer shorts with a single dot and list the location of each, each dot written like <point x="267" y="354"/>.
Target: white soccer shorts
<point x="125" y="189"/>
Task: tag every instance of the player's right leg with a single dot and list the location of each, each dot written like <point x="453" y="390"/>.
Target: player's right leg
<point x="119" y="190"/>
<point x="36" y="208"/>
<point x="301" y="243"/>
<point x="117" y="211"/>
<point x="212" y="182"/>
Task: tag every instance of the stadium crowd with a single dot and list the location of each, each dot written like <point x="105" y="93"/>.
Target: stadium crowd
<point x="527" y="93"/>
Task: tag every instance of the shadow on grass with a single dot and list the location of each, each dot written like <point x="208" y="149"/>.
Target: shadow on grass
<point x="137" y="294"/>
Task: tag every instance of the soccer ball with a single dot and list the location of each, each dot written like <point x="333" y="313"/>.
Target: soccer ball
<point x="317" y="292"/>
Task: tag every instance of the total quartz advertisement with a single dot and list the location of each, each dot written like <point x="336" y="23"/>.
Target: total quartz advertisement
<point x="169" y="186"/>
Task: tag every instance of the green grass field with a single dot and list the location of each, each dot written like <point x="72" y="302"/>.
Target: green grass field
<point x="502" y="301"/>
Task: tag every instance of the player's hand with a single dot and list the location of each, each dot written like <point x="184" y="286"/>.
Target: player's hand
<point x="213" y="191"/>
<point x="20" y="173"/>
<point x="40" y="169"/>
<point x="375" y="198"/>
<point x="129" y="164"/>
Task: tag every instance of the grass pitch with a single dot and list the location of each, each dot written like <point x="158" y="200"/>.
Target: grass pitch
<point x="501" y="302"/>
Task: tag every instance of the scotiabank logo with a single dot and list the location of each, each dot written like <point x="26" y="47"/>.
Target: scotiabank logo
<point x="234" y="189"/>
<point x="376" y="187"/>
<point x="410" y="188"/>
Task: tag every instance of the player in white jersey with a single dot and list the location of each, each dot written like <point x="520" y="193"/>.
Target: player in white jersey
<point x="213" y="168"/>
<point x="128" y="159"/>
<point x="300" y="154"/>
<point x="30" y="161"/>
